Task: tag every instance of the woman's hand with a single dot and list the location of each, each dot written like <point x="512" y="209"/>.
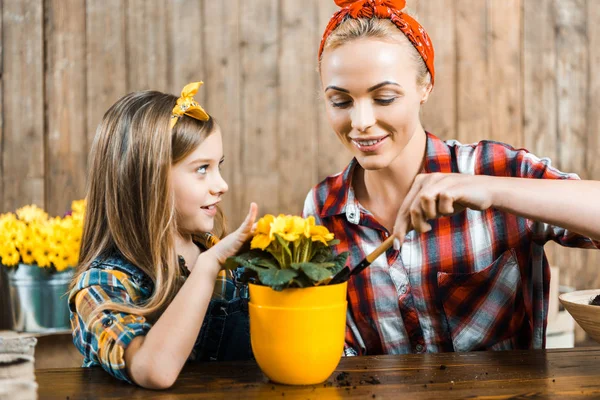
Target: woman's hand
<point x="435" y="195"/>
<point x="231" y="244"/>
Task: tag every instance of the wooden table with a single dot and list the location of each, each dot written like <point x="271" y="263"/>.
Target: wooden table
<point x="561" y="374"/>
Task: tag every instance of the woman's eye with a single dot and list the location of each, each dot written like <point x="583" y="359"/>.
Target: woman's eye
<point x="341" y="104"/>
<point x="385" y="102"/>
<point x="202" y="170"/>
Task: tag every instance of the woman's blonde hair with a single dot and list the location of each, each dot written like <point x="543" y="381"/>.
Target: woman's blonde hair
<point x="130" y="204"/>
<point x="379" y="28"/>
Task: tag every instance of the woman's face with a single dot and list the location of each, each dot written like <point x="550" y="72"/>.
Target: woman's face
<point x="372" y="98"/>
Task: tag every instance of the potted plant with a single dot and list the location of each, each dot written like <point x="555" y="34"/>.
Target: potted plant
<point x="39" y="254"/>
<point x="297" y="320"/>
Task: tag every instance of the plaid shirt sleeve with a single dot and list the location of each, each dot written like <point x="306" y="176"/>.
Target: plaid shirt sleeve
<point x="103" y="337"/>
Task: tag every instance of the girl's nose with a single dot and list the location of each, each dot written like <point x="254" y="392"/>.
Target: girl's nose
<point x="219" y="186"/>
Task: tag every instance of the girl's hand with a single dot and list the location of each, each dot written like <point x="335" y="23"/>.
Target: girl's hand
<point x="231" y="244"/>
<point x="435" y="195"/>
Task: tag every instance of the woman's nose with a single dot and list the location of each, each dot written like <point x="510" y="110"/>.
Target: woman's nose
<point x="363" y="116"/>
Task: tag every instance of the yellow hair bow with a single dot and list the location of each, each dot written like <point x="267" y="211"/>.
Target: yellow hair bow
<point x="187" y="105"/>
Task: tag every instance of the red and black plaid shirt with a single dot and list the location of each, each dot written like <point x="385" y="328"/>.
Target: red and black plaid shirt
<point x="477" y="280"/>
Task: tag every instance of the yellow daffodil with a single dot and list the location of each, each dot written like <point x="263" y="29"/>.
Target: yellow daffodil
<point x="263" y="236"/>
<point x="187" y="105"/>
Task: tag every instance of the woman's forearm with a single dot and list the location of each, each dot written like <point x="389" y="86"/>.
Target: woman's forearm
<point x="570" y="204"/>
<point x="155" y="360"/>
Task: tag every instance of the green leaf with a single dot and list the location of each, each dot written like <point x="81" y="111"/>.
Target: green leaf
<point x="267" y="263"/>
<point x="341" y="259"/>
<point x="276" y="277"/>
<point x="315" y="272"/>
<point x="231" y="263"/>
<point x="301" y="281"/>
<point x="333" y="242"/>
<point x="320" y="253"/>
<point x="236" y="261"/>
<point x="257" y="268"/>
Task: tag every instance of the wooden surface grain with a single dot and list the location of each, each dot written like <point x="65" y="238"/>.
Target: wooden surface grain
<point x="564" y="373"/>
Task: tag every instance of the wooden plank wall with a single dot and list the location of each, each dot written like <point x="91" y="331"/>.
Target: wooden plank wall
<point x="518" y="71"/>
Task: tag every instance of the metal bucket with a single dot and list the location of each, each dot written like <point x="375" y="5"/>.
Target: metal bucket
<point x="39" y="299"/>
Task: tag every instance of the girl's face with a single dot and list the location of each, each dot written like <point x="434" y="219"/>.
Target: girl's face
<point x="372" y="98"/>
<point x="198" y="185"/>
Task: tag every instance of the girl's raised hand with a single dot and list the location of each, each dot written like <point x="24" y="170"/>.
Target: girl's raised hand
<point x="231" y="244"/>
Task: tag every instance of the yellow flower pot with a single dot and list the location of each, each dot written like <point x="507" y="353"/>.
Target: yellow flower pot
<point x="297" y="335"/>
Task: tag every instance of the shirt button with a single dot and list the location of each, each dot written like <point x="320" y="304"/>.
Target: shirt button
<point x="403" y="290"/>
<point x="107" y="323"/>
<point x="419" y="348"/>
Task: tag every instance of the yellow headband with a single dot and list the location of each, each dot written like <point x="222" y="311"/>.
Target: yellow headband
<point x="187" y="105"/>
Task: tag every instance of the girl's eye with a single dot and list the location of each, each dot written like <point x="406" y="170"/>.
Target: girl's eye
<point x="385" y="102"/>
<point x="202" y="170"/>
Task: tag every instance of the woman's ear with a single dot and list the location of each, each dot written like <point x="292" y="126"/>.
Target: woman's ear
<point x="426" y="91"/>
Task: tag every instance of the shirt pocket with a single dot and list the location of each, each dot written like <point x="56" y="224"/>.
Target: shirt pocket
<point x="484" y="309"/>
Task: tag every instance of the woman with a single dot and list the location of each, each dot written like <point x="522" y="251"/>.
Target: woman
<point x="468" y="269"/>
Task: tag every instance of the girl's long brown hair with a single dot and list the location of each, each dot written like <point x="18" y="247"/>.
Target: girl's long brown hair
<point x="130" y="204"/>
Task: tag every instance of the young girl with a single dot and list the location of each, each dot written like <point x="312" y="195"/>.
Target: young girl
<point x="141" y="299"/>
<point x="468" y="269"/>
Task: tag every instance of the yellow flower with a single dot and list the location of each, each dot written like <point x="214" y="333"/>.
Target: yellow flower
<point x="6" y="219"/>
<point x="321" y="234"/>
<point x="78" y="207"/>
<point x="263" y="236"/>
<point x="32" y="237"/>
<point x="308" y="224"/>
<point x="12" y="232"/>
<point x="41" y="255"/>
<point x="9" y="255"/>
<point x="27" y="254"/>
<point x="59" y="259"/>
<point x="31" y="213"/>
<point x="289" y="227"/>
